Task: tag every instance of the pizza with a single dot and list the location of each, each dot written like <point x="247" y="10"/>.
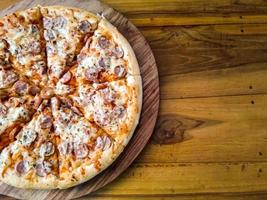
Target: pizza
<point x="70" y="96"/>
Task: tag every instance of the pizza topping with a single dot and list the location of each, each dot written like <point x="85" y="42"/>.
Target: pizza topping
<point x="62" y="89"/>
<point x="46" y="122"/>
<point x="103" y="143"/>
<point x="76" y="110"/>
<point x="43" y="104"/>
<point x="59" y="22"/>
<point x="21" y="87"/>
<point x="7" y="78"/>
<point x="103" y="63"/>
<point x="22" y="167"/>
<point x="14" y="102"/>
<point x="81" y="151"/>
<point x="43" y="168"/>
<point x="48" y="23"/>
<point x="47" y="149"/>
<point x="27" y="137"/>
<point x="109" y="95"/>
<point x="103" y="42"/>
<point x="34" y="47"/>
<point x="35" y="103"/>
<point x="3" y="44"/>
<point x="55" y="103"/>
<point x="56" y="69"/>
<point x="118" y="52"/>
<point x="84" y="26"/>
<point x="50" y="35"/>
<point x="3" y="94"/>
<point x="28" y="46"/>
<point x="120" y="71"/>
<point x="34" y="28"/>
<point x="65" y="148"/>
<point x="47" y="93"/>
<point x="50" y="48"/>
<point x="66" y="102"/>
<point x="34" y="90"/>
<point x="91" y="74"/>
<point x="70" y="59"/>
<point x="40" y="66"/>
<point x="81" y="57"/>
<point x="65" y="118"/>
<point x="66" y="77"/>
<point x="119" y="111"/>
<point x="3" y="110"/>
<point x="4" y="63"/>
<point x="102" y="117"/>
<point x="4" y="55"/>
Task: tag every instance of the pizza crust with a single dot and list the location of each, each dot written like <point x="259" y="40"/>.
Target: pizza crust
<point x="48" y="182"/>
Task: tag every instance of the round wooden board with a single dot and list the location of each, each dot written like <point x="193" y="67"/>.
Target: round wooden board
<point x="149" y="111"/>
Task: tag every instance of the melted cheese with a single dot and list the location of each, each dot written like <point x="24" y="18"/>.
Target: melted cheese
<point x="62" y="89"/>
<point x="7" y="78"/>
<point x="15" y="147"/>
<point x="78" y="130"/>
<point x="4" y="157"/>
<point x="13" y="115"/>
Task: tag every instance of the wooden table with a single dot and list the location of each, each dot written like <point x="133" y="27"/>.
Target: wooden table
<point x="211" y="137"/>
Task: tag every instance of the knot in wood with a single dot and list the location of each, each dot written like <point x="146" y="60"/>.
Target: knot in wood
<point x="169" y="131"/>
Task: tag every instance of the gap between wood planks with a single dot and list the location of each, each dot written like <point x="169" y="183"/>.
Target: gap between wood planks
<point x="183" y="50"/>
<point x="215" y="96"/>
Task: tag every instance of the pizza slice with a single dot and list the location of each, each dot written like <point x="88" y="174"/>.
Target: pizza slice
<point x="107" y="56"/>
<point x="66" y="29"/>
<point x="84" y="148"/>
<point x="32" y="161"/>
<point x="22" y="34"/>
<point x="114" y="106"/>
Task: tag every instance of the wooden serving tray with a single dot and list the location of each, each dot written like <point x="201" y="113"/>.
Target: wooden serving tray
<point x="149" y="114"/>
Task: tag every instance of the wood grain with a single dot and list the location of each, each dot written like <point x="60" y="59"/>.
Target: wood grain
<point x="187" y="12"/>
<point x="180" y="50"/>
<point x="147" y="121"/>
<point x="183" y="178"/>
<point x="218" y="196"/>
<point x="180" y="7"/>
<point x="212" y="64"/>
<point x="220" y="129"/>
<point x="217" y="82"/>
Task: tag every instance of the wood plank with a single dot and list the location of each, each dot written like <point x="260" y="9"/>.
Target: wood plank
<point x="201" y="48"/>
<point x="225" y="196"/>
<point x="181" y="197"/>
<point x="171" y="12"/>
<point x="219" y="129"/>
<point x="181" y="7"/>
<point x="187" y="6"/>
<point x="142" y="20"/>
<point x="241" y="80"/>
<point x="188" y="178"/>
